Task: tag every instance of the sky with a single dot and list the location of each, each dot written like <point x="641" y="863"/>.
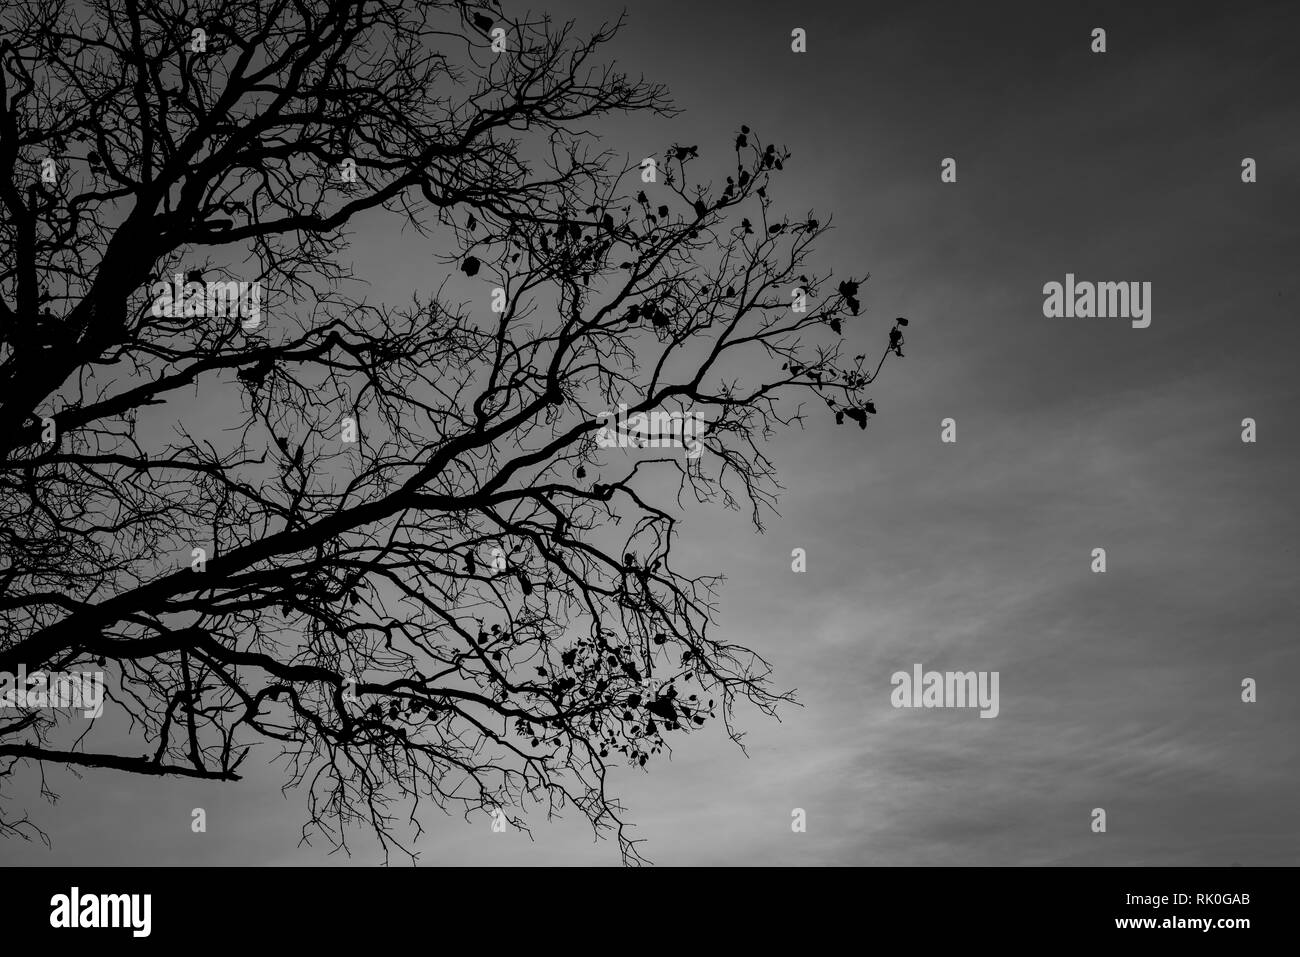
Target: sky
<point x="1120" y="690"/>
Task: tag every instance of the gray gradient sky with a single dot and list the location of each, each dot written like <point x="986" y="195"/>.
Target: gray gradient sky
<point x="1119" y="690"/>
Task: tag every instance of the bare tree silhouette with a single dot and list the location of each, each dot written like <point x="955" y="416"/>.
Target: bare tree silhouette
<point x="472" y="604"/>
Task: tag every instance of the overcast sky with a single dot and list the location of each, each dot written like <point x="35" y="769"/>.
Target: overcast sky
<point x="1120" y="691"/>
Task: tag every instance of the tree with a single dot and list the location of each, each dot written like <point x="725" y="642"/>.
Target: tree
<point x="472" y="603"/>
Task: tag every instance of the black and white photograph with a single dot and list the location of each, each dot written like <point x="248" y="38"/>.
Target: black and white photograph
<point x="649" y="435"/>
